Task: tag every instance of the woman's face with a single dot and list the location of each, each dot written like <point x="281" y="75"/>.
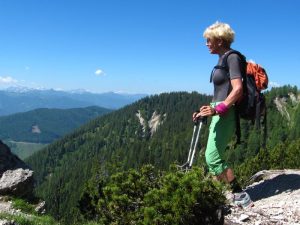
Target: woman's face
<point x="213" y="45"/>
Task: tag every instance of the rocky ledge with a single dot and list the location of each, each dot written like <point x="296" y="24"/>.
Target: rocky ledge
<point x="276" y="197"/>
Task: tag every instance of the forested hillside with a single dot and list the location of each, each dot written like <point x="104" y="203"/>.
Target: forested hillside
<point x="154" y="130"/>
<point x="63" y="167"/>
<point x="283" y="137"/>
<point x="28" y="132"/>
<point x="46" y="125"/>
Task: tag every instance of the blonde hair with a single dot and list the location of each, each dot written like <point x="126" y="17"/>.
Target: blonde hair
<point x="221" y="31"/>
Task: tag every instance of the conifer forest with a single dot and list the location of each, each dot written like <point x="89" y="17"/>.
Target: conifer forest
<point x="120" y="168"/>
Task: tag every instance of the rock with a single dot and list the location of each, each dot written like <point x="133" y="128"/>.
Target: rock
<point x="275" y="194"/>
<point x="5" y="207"/>
<point x="243" y="217"/>
<point x="18" y="182"/>
<point x="6" y="222"/>
<point x="297" y="214"/>
<point x="16" y="178"/>
<point x="41" y="208"/>
<point x="155" y="121"/>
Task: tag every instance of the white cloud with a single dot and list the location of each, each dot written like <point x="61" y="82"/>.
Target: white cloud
<point x="274" y="84"/>
<point x="99" y="72"/>
<point x="7" y="80"/>
<point x="251" y="60"/>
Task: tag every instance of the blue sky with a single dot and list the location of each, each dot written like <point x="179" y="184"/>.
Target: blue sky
<point x="140" y="46"/>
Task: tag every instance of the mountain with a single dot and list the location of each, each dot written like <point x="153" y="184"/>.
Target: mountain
<point x="157" y="130"/>
<point x="28" y="132"/>
<point x="22" y="100"/>
<point x="46" y="125"/>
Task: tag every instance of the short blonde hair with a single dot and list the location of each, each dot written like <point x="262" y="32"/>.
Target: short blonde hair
<point x="221" y="31"/>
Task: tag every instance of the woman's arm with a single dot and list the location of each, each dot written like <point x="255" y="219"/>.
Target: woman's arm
<point x="234" y="95"/>
<point x="236" y="92"/>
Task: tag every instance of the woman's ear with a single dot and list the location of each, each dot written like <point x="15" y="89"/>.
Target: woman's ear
<point x="220" y="42"/>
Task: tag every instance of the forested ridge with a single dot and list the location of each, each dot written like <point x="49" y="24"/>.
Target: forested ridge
<point x="127" y="138"/>
<point x="45" y="125"/>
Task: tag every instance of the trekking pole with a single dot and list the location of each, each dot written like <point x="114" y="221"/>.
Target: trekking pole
<point x="196" y="131"/>
<point x="186" y="164"/>
<point x="195" y="145"/>
<point x="192" y="142"/>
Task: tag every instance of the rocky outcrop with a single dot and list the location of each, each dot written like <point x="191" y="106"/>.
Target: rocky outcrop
<point x="295" y="99"/>
<point x="153" y="124"/>
<point x="276" y="197"/>
<point x="16" y="178"/>
<point x="141" y="120"/>
<point x="17" y="182"/>
<point x="281" y="106"/>
<point x="155" y="121"/>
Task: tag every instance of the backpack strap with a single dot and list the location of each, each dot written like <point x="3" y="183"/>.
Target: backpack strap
<point x="237" y="127"/>
<point x="224" y="64"/>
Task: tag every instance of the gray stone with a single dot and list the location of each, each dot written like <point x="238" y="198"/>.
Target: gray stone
<point x="18" y="182"/>
<point x="243" y="217"/>
<point x="41" y="208"/>
<point x="276" y="195"/>
<point x="6" y="222"/>
<point x="297" y="213"/>
<point x="16" y="178"/>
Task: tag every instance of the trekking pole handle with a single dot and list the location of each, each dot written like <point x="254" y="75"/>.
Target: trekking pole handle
<point x="202" y="119"/>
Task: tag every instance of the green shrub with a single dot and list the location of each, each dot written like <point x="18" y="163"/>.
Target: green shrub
<point x="23" y="206"/>
<point x="184" y="198"/>
<point x="147" y="196"/>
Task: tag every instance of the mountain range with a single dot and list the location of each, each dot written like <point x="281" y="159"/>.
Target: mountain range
<point x="13" y="100"/>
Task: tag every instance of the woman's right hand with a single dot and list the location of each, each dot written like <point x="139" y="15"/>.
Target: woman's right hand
<point x="206" y="110"/>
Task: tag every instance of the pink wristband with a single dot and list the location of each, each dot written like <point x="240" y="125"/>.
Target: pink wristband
<point x="221" y="109"/>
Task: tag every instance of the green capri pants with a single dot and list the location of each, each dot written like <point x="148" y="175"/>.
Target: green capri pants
<point x="221" y="130"/>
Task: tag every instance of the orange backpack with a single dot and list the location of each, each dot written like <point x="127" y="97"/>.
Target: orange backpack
<point x="259" y="74"/>
<point x="252" y="105"/>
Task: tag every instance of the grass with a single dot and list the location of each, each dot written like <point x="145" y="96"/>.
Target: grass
<point x="23" y="206"/>
<point x="29" y="219"/>
<point x="24" y="149"/>
<point x="25" y="214"/>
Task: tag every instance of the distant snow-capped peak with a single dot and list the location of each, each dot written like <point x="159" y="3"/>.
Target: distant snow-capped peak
<point x="18" y="89"/>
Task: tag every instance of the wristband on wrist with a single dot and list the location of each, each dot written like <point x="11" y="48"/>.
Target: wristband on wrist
<point x="221" y="109"/>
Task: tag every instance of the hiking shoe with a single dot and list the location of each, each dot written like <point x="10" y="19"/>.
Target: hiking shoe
<point x="242" y="199"/>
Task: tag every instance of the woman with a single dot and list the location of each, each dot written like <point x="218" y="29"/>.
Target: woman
<point x="228" y="88"/>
